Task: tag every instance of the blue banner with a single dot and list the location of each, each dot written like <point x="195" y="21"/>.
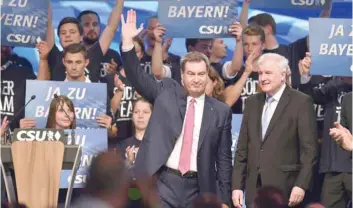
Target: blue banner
<point x="23" y="22"/>
<point x="236" y="124"/>
<point x="89" y="99"/>
<point x="291" y="4"/>
<point x="197" y="18"/>
<point x="92" y="141"/>
<point x="331" y="46"/>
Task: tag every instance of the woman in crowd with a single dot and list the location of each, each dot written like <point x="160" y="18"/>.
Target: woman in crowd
<point x="141" y="113"/>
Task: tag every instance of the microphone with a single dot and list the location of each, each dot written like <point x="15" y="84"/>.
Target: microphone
<point x="8" y="131"/>
<point x="62" y="107"/>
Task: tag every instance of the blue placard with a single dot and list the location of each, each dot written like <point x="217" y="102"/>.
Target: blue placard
<point x="236" y="124"/>
<point x="331" y="46"/>
<point x="92" y="141"/>
<point x="89" y="99"/>
<point x="197" y="18"/>
<point x="23" y="22"/>
<point x="290" y="4"/>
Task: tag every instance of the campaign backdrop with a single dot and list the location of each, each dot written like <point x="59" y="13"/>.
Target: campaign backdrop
<point x="331" y="46"/>
<point x="197" y="18"/>
<point x="291" y="4"/>
<point x="23" y="22"/>
<point x="92" y="141"/>
<point x="89" y="99"/>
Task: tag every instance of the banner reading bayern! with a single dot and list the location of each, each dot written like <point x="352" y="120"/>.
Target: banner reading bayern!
<point x="197" y="18"/>
<point x="92" y="141"/>
<point x="23" y="22"/>
<point x="291" y="4"/>
<point x="331" y="46"/>
<point x="89" y="99"/>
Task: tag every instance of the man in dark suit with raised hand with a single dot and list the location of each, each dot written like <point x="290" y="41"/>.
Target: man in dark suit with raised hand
<point x="187" y="144"/>
<point x="277" y="144"/>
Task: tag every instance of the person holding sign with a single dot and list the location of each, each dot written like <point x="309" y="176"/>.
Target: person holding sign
<point x="277" y="144"/>
<point x="61" y="115"/>
<point x="335" y="163"/>
<point x="187" y="144"/>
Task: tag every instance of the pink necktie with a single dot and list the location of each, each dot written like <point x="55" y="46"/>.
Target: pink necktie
<point x="185" y="154"/>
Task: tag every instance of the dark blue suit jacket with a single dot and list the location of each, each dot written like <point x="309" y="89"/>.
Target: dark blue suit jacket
<point x="214" y="157"/>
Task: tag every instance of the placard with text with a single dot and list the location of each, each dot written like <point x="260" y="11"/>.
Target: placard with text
<point x="89" y="99"/>
<point x="331" y="46"/>
<point x="197" y="18"/>
<point x="23" y="22"/>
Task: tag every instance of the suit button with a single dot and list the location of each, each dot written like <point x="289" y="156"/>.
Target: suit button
<point x="258" y="168"/>
<point x="261" y="150"/>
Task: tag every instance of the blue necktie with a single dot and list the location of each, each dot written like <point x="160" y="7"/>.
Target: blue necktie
<point x="266" y="116"/>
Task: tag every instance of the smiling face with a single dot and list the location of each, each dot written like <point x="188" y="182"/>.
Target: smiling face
<point x="62" y="120"/>
<point x="69" y="34"/>
<point x="272" y="74"/>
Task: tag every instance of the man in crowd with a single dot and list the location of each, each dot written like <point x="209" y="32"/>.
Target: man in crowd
<point x="168" y="59"/>
<point x="187" y="156"/>
<point x="69" y="32"/>
<point x="294" y="51"/>
<point x="277" y="144"/>
<point x="335" y="162"/>
<point x="91" y="25"/>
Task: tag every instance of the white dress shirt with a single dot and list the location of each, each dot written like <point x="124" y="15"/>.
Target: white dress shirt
<point x="173" y="160"/>
<point x="87" y="80"/>
<point x="276" y="97"/>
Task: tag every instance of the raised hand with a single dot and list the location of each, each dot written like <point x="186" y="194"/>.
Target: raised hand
<point x="236" y="30"/>
<point x="305" y="64"/>
<point x="43" y="50"/>
<point x="158" y="33"/>
<point x="249" y="63"/>
<point x="118" y="83"/>
<point x="128" y="27"/>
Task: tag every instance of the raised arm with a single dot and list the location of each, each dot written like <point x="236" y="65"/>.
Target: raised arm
<point x="113" y="22"/>
<point x="159" y="70"/>
<point x="233" y="92"/>
<point x="244" y="13"/>
<point x="50" y="39"/>
<point x="230" y="69"/>
<point x="43" y="70"/>
<point x="144" y="83"/>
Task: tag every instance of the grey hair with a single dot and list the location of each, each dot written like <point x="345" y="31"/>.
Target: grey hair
<point x="279" y="61"/>
<point x="194" y="57"/>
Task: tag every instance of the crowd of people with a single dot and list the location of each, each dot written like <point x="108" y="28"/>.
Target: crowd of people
<point x="169" y="118"/>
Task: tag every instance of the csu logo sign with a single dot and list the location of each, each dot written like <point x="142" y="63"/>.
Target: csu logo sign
<point x="18" y="38"/>
<point x="38" y="135"/>
<point x="308" y="2"/>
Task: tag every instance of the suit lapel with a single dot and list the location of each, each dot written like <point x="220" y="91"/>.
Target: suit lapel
<point x="207" y="118"/>
<point x="259" y="109"/>
<point x="283" y="102"/>
<point x="182" y="100"/>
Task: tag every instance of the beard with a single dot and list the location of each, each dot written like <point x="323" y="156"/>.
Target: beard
<point x="90" y="41"/>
